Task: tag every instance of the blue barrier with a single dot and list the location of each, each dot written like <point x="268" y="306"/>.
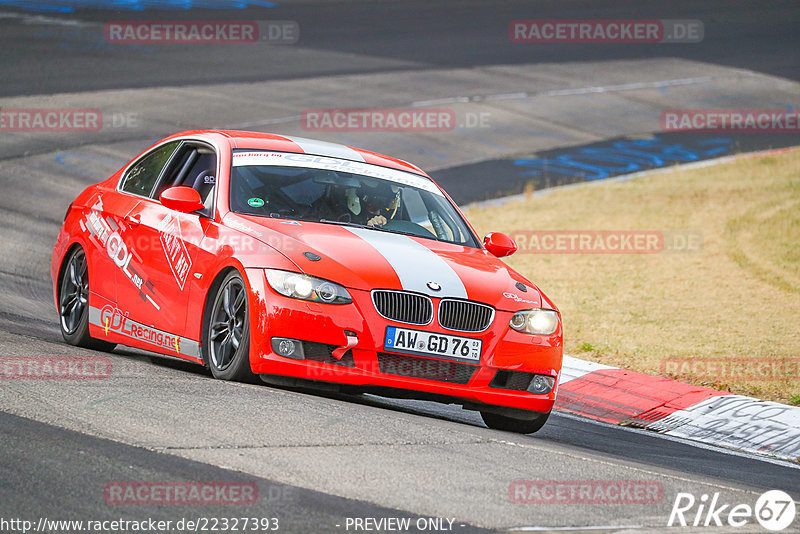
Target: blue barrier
<point x="71" y="162"/>
<point x="69" y="6"/>
<point x="623" y="157"/>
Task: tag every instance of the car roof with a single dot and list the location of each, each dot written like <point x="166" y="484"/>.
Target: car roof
<point x="285" y="143"/>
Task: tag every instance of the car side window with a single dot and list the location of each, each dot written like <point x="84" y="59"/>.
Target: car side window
<point x="194" y="166"/>
<point x="142" y="176"/>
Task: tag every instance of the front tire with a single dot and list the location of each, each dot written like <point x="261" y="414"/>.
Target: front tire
<point x="73" y="304"/>
<point x="497" y="421"/>
<point x="226" y="332"/>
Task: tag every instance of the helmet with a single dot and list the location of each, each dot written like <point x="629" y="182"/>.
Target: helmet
<point x="378" y="197"/>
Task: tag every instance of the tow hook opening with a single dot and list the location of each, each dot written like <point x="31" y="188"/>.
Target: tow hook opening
<point x="352" y="341"/>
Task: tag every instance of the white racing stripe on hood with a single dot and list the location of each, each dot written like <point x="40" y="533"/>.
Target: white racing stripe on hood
<point x="415" y="264"/>
<point x="324" y="148"/>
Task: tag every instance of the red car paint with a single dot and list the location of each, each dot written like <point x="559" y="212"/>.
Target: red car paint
<point x="151" y="271"/>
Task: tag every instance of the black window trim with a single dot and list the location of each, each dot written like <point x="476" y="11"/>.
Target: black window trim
<point x="208" y="213"/>
<point x="182" y="142"/>
<point x="193" y="154"/>
<point x="135" y="162"/>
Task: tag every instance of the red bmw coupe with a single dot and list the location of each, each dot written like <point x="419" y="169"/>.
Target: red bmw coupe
<point x="305" y="261"/>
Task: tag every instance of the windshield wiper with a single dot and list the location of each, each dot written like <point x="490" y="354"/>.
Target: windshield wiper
<point x="345" y="223"/>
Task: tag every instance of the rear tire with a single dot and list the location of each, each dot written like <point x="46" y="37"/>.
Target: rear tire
<point x="226" y="332"/>
<point x="512" y="424"/>
<point x="73" y="303"/>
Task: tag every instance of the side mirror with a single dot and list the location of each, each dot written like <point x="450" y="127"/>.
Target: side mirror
<point x="181" y="198"/>
<point x="499" y="244"/>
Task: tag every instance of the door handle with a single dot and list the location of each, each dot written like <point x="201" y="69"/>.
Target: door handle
<point x="133" y="220"/>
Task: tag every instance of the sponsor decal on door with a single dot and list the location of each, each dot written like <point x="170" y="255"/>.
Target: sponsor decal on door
<point x="169" y="230"/>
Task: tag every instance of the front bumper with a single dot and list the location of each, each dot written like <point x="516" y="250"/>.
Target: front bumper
<point x="508" y="362"/>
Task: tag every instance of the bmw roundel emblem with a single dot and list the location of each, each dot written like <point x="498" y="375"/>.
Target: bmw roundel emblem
<point x="433" y="286"/>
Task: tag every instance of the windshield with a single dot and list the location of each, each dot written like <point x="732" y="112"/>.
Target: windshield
<point x="333" y="191"/>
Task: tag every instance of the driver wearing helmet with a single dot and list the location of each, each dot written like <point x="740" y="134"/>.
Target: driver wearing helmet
<point x="373" y="206"/>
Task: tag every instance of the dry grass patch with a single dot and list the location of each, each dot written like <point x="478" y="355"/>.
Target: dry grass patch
<point x="735" y="303"/>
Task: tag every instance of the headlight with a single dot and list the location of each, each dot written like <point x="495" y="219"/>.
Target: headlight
<point x="539" y="322"/>
<point x="304" y="287"/>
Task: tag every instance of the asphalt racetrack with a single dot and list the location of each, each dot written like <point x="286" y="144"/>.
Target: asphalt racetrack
<point x="321" y="461"/>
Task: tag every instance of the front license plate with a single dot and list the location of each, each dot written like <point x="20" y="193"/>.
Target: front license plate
<point x="409" y="341"/>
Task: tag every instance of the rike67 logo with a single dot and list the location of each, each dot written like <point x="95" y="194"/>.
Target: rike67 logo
<point x="774" y="510"/>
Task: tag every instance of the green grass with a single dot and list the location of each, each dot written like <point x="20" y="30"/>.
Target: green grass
<point x="736" y="296"/>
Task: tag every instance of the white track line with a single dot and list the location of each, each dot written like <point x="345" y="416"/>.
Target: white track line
<point x="565" y="92"/>
<point x="511" y="96"/>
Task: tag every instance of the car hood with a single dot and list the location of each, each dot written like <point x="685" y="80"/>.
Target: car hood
<point x="366" y="259"/>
